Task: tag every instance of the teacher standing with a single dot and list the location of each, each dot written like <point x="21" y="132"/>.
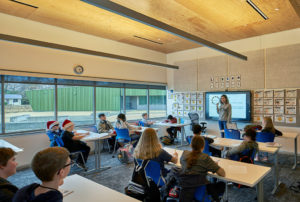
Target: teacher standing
<point x="224" y="111"/>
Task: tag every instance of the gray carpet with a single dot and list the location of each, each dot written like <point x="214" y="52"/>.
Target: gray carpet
<point x="118" y="176"/>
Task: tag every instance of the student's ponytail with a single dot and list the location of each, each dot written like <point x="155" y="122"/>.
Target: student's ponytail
<point x="197" y="146"/>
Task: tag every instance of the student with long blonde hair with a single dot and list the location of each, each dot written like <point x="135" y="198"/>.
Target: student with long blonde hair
<point x="268" y="126"/>
<point x="149" y="148"/>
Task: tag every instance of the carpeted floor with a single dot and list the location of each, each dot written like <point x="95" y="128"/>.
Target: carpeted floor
<point x="118" y="175"/>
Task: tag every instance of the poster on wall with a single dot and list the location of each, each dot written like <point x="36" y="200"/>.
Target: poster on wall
<point x="180" y="106"/>
<point x="279" y="93"/>
<point x="257" y="118"/>
<point x="278" y="101"/>
<point x="186" y="102"/>
<point x="290" y="119"/>
<point x="193" y="96"/>
<point x="227" y="84"/>
<point x="279" y="118"/>
<point x="216" y="85"/>
<point x="186" y="107"/>
<point x="187" y="96"/>
<point x="238" y="84"/>
<point x="258" y="94"/>
<point x="174" y="113"/>
<point x="290" y="110"/>
<point x="278" y="109"/>
<point x="291" y="93"/>
<point x="222" y="85"/>
<point x="258" y="101"/>
<point x="170" y="95"/>
<point x="199" y="108"/>
<point x="185" y="113"/>
<point x="175" y="106"/>
<point x="200" y="96"/>
<point x="268" y="93"/>
<point x="290" y="101"/>
<point x="193" y="108"/>
<point x="258" y="110"/>
<point x="199" y="102"/>
<point x="268" y="101"/>
<point x="193" y="102"/>
<point x="180" y="113"/>
<point x="212" y="85"/>
<point x="268" y="110"/>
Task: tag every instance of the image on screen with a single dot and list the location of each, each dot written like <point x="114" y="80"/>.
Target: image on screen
<point x="240" y="103"/>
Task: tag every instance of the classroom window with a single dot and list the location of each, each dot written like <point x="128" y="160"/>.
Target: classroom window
<point x="75" y="103"/>
<point x="108" y="101"/>
<point x="28" y="106"/>
<point x="158" y="106"/>
<point x="135" y="104"/>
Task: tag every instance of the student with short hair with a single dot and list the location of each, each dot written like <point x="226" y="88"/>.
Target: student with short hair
<point x="105" y="126"/>
<point x="8" y="167"/>
<point x="149" y="148"/>
<point x="54" y="132"/>
<point x="195" y="165"/>
<point x="146" y="121"/>
<point x="249" y="143"/>
<point x="121" y="123"/>
<point x="51" y="166"/>
<point x="72" y="142"/>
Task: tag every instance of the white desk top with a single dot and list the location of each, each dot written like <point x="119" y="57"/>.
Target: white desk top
<point x="93" y="136"/>
<point x="144" y="128"/>
<point x="292" y="135"/>
<point x="235" y="171"/>
<point x="225" y="142"/>
<point x="172" y="124"/>
<point x="87" y="190"/>
<point x="4" y="143"/>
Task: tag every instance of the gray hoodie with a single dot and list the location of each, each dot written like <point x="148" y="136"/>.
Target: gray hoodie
<point x="224" y="112"/>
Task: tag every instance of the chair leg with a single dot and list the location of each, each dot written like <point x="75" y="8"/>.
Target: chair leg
<point x="84" y="163"/>
<point x="113" y="156"/>
<point x="108" y="145"/>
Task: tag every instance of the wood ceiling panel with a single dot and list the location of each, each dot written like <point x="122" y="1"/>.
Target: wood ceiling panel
<point x="214" y="20"/>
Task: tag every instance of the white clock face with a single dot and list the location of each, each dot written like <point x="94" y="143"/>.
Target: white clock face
<point x="78" y="69"/>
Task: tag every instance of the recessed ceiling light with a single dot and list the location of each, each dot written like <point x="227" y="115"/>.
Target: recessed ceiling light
<point x="276" y="9"/>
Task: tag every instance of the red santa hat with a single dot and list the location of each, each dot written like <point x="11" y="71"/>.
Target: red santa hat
<point x="50" y="124"/>
<point x="66" y="124"/>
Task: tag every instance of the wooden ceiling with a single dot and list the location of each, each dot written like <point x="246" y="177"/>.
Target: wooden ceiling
<point x="214" y="20"/>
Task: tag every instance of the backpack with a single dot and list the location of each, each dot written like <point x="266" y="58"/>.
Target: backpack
<point x="125" y="154"/>
<point x="166" y="140"/>
<point x="140" y="186"/>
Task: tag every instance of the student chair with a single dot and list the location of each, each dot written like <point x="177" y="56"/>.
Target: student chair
<point x="201" y="194"/>
<point x="246" y="156"/>
<point x="94" y="129"/>
<point x="73" y="155"/>
<point x="122" y="134"/>
<point x="141" y="123"/>
<point x="153" y="171"/>
<point x="232" y="134"/>
<point x="206" y="147"/>
<point x="265" y="137"/>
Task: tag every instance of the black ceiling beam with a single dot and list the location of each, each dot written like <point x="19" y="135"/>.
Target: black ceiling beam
<point x="80" y="50"/>
<point x="139" y="17"/>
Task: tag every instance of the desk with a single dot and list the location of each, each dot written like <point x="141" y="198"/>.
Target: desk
<point x="181" y="125"/>
<point x="144" y="128"/>
<point x="87" y="190"/>
<point x="290" y="135"/>
<point x="238" y="172"/>
<point x="224" y="142"/>
<point x="4" y="143"/>
<point x="96" y="137"/>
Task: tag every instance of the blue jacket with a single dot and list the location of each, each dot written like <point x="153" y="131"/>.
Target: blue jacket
<point x="55" y="138"/>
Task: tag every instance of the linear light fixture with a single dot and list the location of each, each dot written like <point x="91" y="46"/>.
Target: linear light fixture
<point x="139" y="37"/>
<point x="257" y="9"/>
<point x="80" y="50"/>
<point x="139" y="17"/>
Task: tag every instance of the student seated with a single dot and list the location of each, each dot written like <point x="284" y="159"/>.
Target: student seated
<point x="268" y="126"/>
<point x="146" y="121"/>
<point x="54" y="131"/>
<point x="51" y="166"/>
<point x="196" y="164"/>
<point x="121" y="123"/>
<point x="249" y="144"/>
<point x="106" y="127"/>
<point x="149" y="148"/>
<point x="197" y="131"/>
<point x="172" y="131"/>
<point x="8" y="167"/>
<point x="73" y="144"/>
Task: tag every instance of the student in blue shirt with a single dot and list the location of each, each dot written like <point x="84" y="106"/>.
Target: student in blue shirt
<point x="146" y="121"/>
<point x="54" y="133"/>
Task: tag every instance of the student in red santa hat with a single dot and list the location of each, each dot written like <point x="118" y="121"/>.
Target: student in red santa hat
<point x="54" y="133"/>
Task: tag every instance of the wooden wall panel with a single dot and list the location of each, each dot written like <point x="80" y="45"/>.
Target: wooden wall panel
<point x="283" y="67"/>
<point x="185" y="78"/>
<point x="251" y="71"/>
<point x="208" y="67"/>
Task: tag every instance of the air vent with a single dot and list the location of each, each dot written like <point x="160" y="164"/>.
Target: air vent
<point x="139" y="37"/>
<point x="25" y="4"/>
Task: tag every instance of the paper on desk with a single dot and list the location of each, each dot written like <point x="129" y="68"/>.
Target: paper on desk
<point x="237" y="169"/>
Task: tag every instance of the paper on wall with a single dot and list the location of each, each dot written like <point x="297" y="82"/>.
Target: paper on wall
<point x="186" y="107"/>
<point x="193" y="102"/>
<point x="227" y="84"/>
<point x="199" y="108"/>
<point x="258" y="94"/>
<point x="258" y="110"/>
<point x="290" y="109"/>
<point x="278" y="109"/>
<point x="290" y="101"/>
<point x="268" y="109"/>
<point x="174" y="113"/>
<point x="268" y="101"/>
<point x="279" y="93"/>
<point x="238" y="84"/>
<point x="257" y="118"/>
<point x="180" y="113"/>
<point x="258" y="101"/>
<point x="186" y="102"/>
<point x="268" y="93"/>
<point x="193" y="96"/>
<point x="199" y="102"/>
<point x="175" y="106"/>
<point x="211" y="85"/>
<point x="199" y="96"/>
<point x="278" y="101"/>
<point x="180" y="107"/>
<point x="279" y="118"/>
<point x="291" y="93"/>
<point x="193" y="108"/>
<point x="186" y="113"/>
<point x="170" y="96"/>
<point x="187" y="96"/>
<point x="216" y="85"/>
<point x="290" y="119"/>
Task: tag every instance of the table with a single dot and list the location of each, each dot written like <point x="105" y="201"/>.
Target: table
<point x="4" y="143"/>
<point x="87" y="190"/>
<point x="144" y="128"/>
<point x="238" y="172"/>
<point x="96" y="138"/>
<point x="225" y="142"/>
<point x="290" y="135"/>
<point x="181" y="125"/>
